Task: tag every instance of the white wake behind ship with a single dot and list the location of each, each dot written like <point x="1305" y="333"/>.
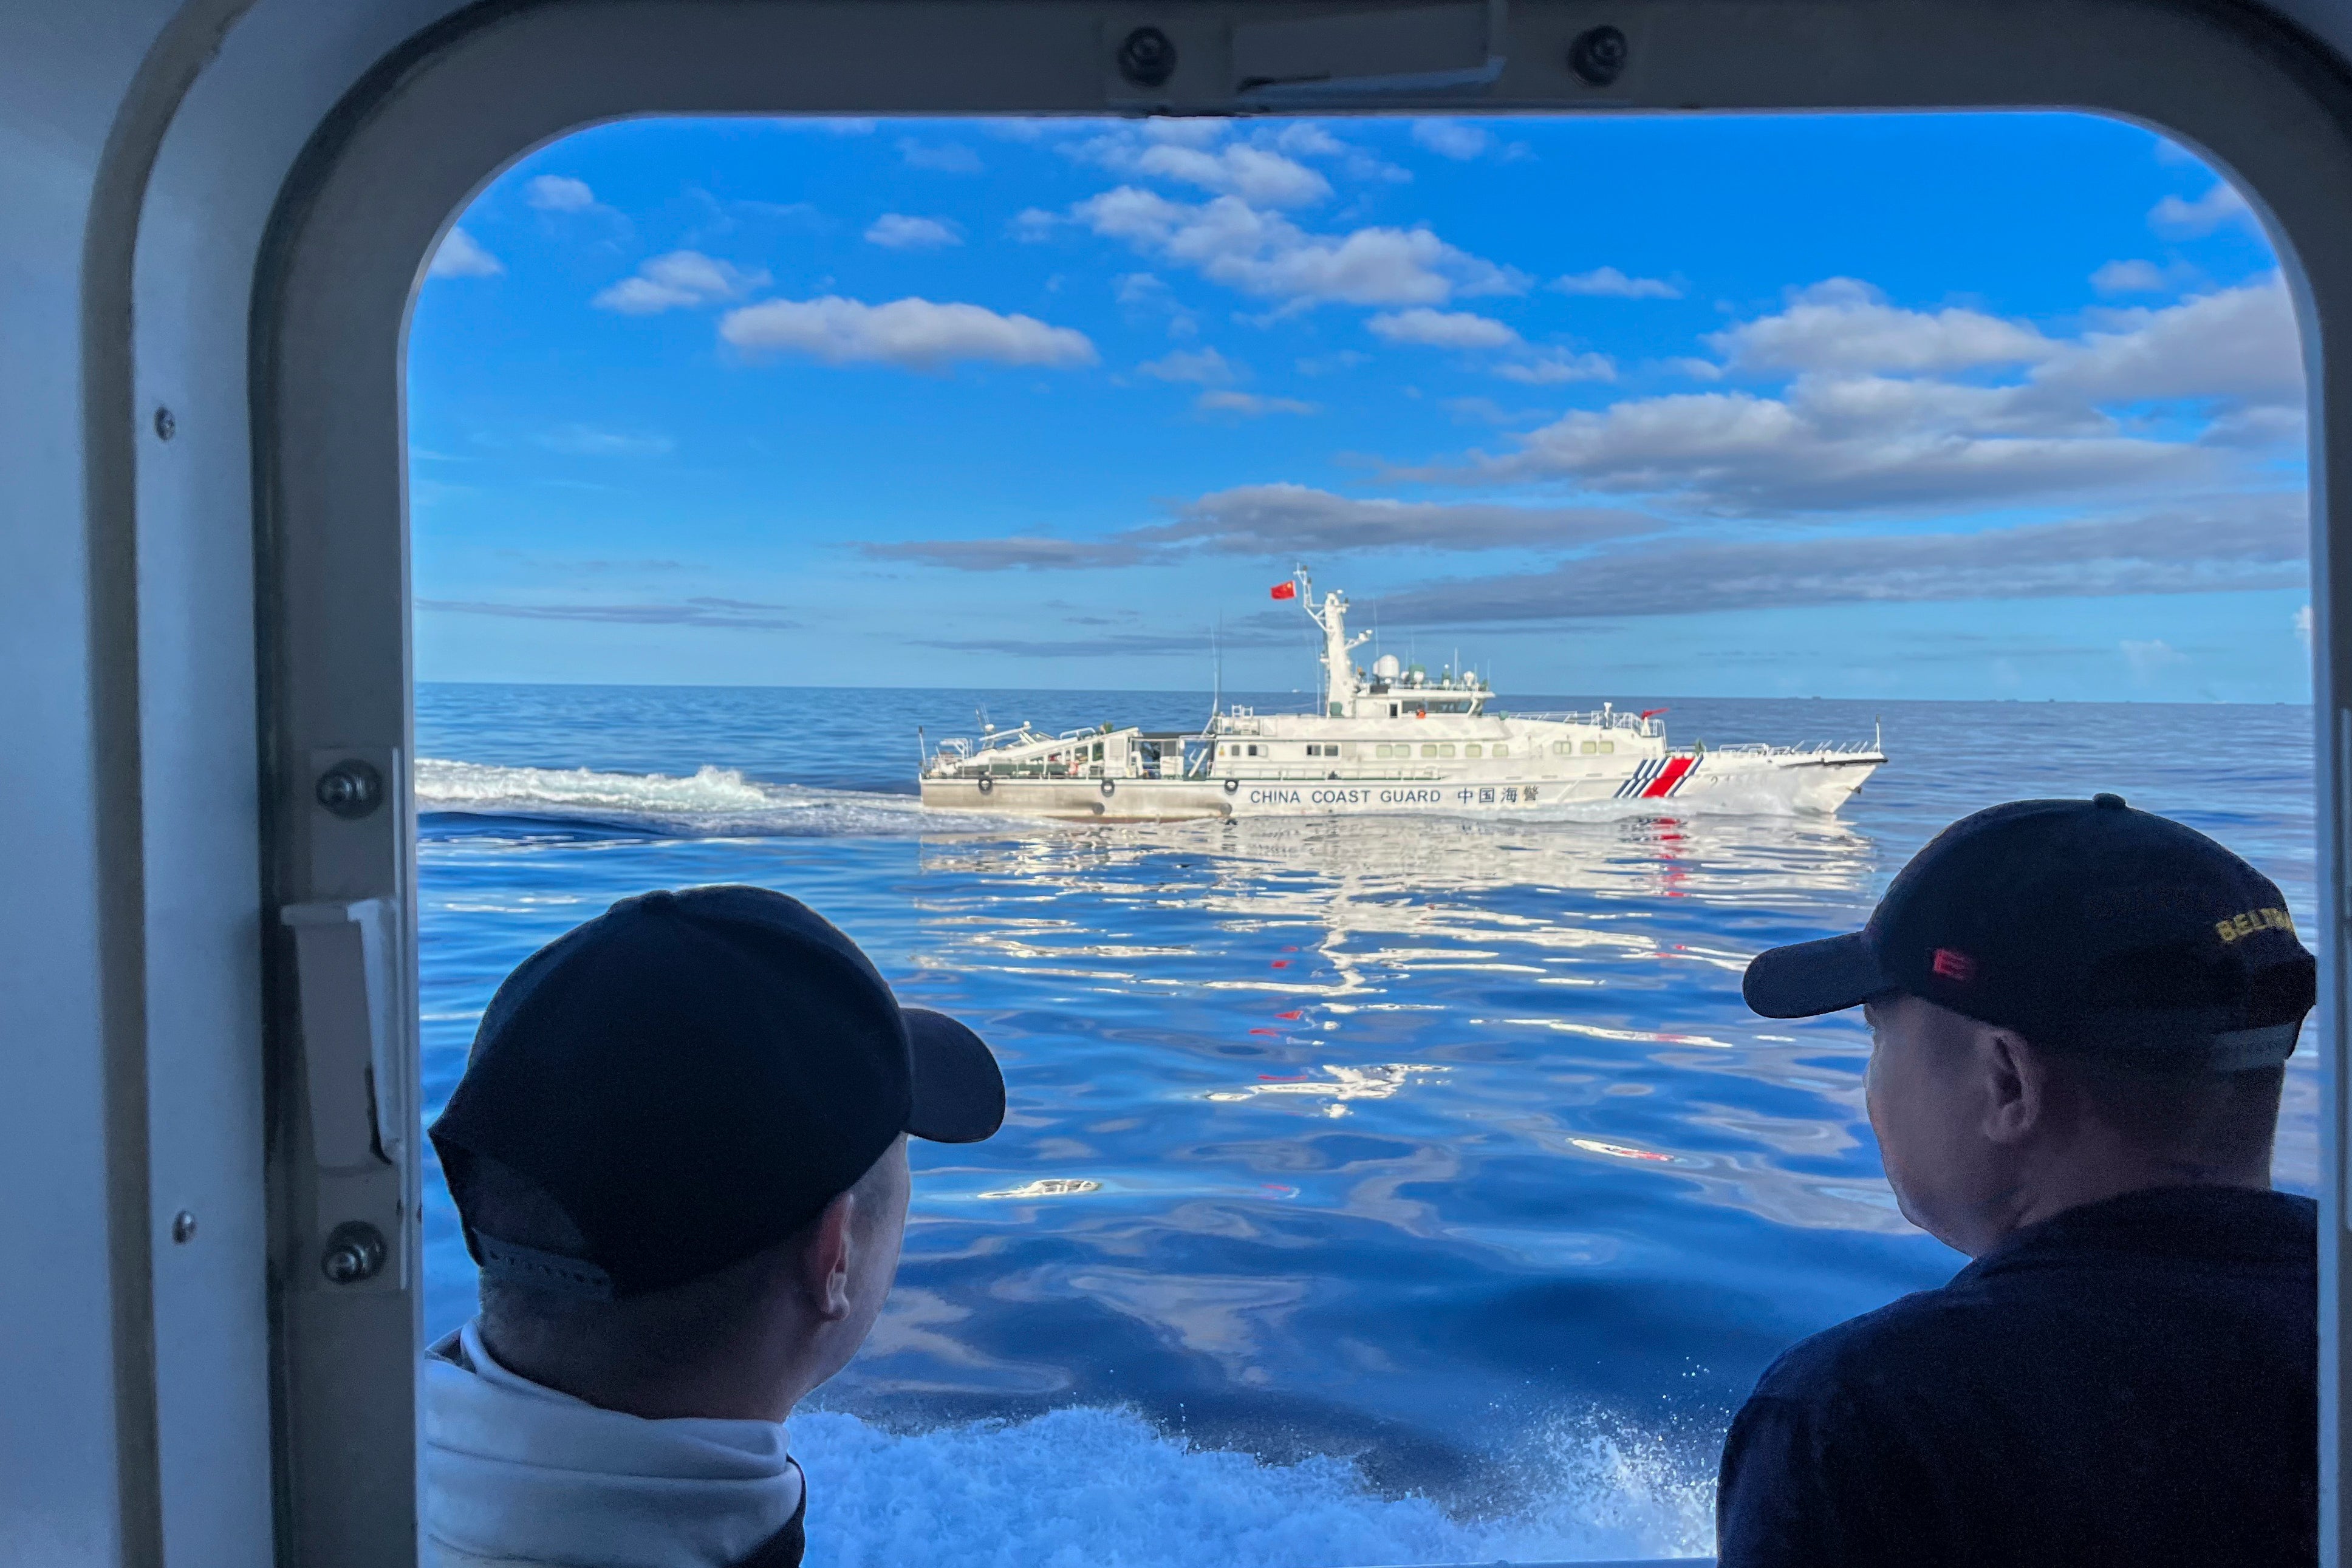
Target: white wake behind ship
<point x="1384" y="741"/>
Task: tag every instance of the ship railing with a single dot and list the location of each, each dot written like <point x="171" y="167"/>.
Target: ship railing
<point x="1607" y="718"/>
<point x="1803" y="748"/>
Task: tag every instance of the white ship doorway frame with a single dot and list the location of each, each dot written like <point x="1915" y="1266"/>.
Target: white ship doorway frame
<point x="410" y="144"/>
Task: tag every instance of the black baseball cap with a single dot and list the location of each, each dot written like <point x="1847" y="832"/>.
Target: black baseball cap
<point x="2085" y="926"/>
<point x="692" y="1076"/>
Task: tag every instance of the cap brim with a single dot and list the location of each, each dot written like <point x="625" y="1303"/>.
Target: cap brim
<point x="959" y="1092"/>
<point x="1805" y="980"/>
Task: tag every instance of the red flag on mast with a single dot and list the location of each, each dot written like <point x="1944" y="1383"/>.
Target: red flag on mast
<point x="1285" y="590"/>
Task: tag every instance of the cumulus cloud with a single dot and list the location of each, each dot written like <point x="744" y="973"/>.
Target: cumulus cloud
<point x="460" y="254"/>
<point x="1442" y="329"/>
<point x="1607" y="282"/>
<point x="1265" y="254"/>
<point x="911" y="333"/>
<point x="2243" y="542"/>
<point x="1450" y="139"/>
<point x="2240" y="342"/>
<point x="739" y="613"/>
<point x="2188" y="217"/>
<point x="1846" y="325"/>
<point x="1204" y="366"/>
<point x="1250" y="405"/>
<point x="1865" y="422"/>
<point x="681" y="279"/>
<point x="940" y="157"/>
<point x="1263" y="176"/>
<point x="2129" y="277"/>
<point x="1549" y="367"/>
<point x="559" y="194"/>
<point x="1288" y="520"/>
<point x="1833" y="444"/>
<point x="2151" y="659"/>
<point x="2303" y="627"/>
<point x="896" y="231"/>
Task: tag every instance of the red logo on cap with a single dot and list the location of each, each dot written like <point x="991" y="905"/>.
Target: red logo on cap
<point x="1954" y="966"/>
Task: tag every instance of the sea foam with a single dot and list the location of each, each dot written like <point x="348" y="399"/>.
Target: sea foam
<point x="710" y="802"/>
<point x="1087" y="1488"/>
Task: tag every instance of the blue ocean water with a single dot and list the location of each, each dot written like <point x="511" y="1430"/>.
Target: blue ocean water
<point x="1373" y="1191"/>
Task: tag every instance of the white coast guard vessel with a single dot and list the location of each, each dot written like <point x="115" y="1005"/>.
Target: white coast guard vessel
<point x="1390" y="740"/>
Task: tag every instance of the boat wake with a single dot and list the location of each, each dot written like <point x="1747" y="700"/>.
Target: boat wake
<point x="1104" y="1486"/>
<point x="476" y="798"/>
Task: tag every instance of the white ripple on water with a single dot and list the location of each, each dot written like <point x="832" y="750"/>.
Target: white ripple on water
<point x="710" y="802"/>
<point x="1081" y="1486"/>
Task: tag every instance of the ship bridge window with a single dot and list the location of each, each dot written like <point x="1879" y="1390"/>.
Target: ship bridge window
<point x="1473" y="748"/>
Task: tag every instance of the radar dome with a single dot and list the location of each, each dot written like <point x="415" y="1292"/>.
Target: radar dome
<point x="1385" y="667"/>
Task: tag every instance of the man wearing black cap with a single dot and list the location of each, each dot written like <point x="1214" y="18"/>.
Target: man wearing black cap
<point x="2079" y="1015"/>
<point x="678" y="1151"/>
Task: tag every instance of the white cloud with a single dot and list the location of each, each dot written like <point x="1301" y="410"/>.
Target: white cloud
<point x="1609" y="283"/>
<point x="1033" y="225"/>
<point x="1264" y="253"/>
<point x="2188" y="217"/>
<point x="1141" y="290"/>
<point x="460" y="254"/>
<point x="2304" y="627"/>
<point x="1205" y="367"/>
<point x="1286" y="520"/>
<point x="1442" y="329"/>
<point x="2129" y="277"/>
<point x="896" y="231"/>
<point x="559" y="194"/>
<point x="1451" y="138"/>
<point x="1250" y="405"/>
<point x="1549" y="367"/>
<point x="1332" y="364"/>
<point x="2151" y="659"/>
<point x="1865" y="422"/>
<point x="942" y="157"/>
<point x="911" y="333"/>
<point x="1831" y="444"/>
<point x="1846" y="325"/>
<point x="2240" y="342"/>
<point x="677" y="281"/>
<point x="2236" y="543"/>
<point x="1161" y="151"/>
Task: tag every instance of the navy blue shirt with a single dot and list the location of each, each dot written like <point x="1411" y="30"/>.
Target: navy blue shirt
<point x="2133" y="1382"/>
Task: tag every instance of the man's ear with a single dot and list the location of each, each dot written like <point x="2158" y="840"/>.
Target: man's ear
<point x="825" y="1261"/>
<point x="2016" y="1086"/>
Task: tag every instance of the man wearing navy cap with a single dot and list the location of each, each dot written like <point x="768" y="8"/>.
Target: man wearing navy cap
<point x="2079" y="1015"/>
<point x="678" y="1151"/>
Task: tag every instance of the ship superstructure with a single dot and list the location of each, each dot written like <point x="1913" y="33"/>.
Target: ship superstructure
<point x="1392" y="740"/>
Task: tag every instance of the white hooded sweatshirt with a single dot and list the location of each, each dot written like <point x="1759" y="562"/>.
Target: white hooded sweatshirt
<point x="520" y="1476"/>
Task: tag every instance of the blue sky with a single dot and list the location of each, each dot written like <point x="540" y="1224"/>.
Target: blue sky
<point x="1917" y="406"/>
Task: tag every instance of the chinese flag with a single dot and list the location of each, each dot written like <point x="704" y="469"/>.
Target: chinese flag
<point x="1285" y="590"/>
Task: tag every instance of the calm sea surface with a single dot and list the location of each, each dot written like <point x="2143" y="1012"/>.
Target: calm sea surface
<point x="1373" y="1191"/>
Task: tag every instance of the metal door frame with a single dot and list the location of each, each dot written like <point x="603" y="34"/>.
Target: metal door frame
<point x="385" y="173"/>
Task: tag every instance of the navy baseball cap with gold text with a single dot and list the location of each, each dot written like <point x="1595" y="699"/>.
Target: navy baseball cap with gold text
<point x="2086" y="926"/>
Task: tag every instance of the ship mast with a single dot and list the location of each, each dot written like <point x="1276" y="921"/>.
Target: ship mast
<point x="1339" y="671"/>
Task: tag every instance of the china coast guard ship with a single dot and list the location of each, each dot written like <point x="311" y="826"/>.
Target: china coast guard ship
<point x="1390" y="740"/>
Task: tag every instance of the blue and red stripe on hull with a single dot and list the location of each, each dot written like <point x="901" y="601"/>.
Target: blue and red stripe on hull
<point x="1656" y="778"/>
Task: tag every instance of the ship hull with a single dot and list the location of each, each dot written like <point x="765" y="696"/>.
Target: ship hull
<point x="1801" y="783"/>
